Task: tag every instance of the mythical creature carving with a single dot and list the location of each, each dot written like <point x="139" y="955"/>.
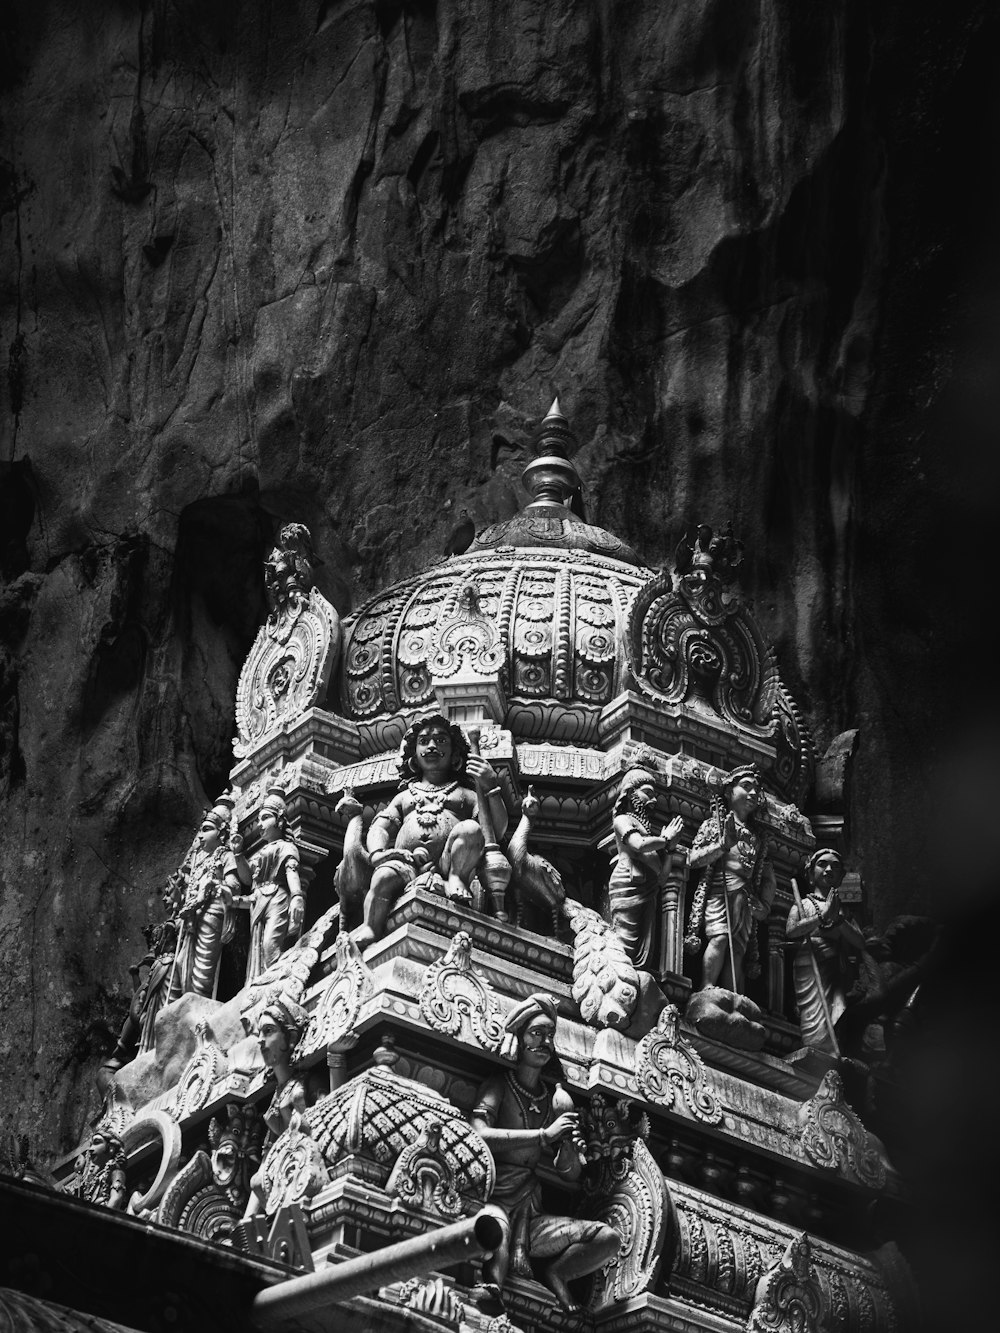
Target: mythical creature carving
<point x="535" y="879"/>
<point x="289" y="666"/>
<point x="523" y="1124"/>
<point x="432" y="832"/>
<point x="628" y="1191"/>
<point x="834" y="1138"/>
<point x="737" y="885"/>
<point x="208" y="1196"/>
<point x="788" y="1297"/>
<point x="666" y="1064"/>
<point x="605" y="984"/>
<point x="691" y="640"/>
<point x="455" y="997"/>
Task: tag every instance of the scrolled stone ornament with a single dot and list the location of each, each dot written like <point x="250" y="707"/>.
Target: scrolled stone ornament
<point x="289" y="666"/>
<point x="667" y="1065"/>
<point x="454" y="996"/>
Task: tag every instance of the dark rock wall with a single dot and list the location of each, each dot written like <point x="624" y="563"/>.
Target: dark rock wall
<point x="330" y="261"/>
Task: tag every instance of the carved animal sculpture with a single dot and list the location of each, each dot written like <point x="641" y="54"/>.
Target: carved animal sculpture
<point x="605" y="984"/>
<point x="534" y="879"/>
<point x="354" y="873"/>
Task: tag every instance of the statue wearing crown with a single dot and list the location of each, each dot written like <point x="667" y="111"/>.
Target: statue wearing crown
<point x="278" y="902"/>
<point x="737" y="884"/>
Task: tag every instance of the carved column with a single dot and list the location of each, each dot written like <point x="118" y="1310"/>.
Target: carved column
<point x="776" y="965"/>
<point x="672" y="901"/>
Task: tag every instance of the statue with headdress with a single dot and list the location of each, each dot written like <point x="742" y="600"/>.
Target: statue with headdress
<point x="826" y="940"/>
<point x="201" y="896"/>
<point x="737" y="884"/>
<point x="277" y="903"/>
<point x="101" y="1168"/>
<point x="526" y="1126"/>
<point x="643" y="859"/>
<point x="431" y="832"/>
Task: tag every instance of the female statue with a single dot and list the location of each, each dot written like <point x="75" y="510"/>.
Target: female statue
<point x="825" y="940"/>
<point x="277" y="904"/>
<point x="278" y="1026"/>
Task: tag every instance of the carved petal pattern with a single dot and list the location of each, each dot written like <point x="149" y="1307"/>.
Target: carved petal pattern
<point x="833" y="1136"/>
<point x="788" y="1298"/>
<point x="454" y="996"/>
<point x="666" y="1064"/>
<point x="293" y="1169"/>
<point x="286" y="673"/>
<point x="347" y="989"/>
<point x="605" y="984"/>
<point x="423" y="1176"/>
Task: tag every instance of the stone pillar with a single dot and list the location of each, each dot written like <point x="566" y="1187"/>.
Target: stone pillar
<point x="672" y="907"/>
<point x="776" y="965"/>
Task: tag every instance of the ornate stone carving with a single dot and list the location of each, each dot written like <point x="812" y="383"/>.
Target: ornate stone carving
<point x="432" y="1297"/>
<point x="348" y="987"/>
<point x="158" y="1128"/>
<point x="534" y="879"/>
<point x="833" y="1137"/>
<point x="117" y="1112"/>
<point x="293" y="1169"/>
<point x="467" y="640"/>
<point x="605" y="984"/>
<point x="206" y="1067"/>
<point x="423" y="1175"/>
<point x="628" y="1191"/>
<point x="207" y="1197"/>
<point x="289" y="666"/>
<point x="438" y="830"/>
<point x="101" y="1171"/>
<point x="666" y="1064"/>
<point x="289" y="975"/>
<point x="379" y="1114"/>
<point x="643" y="861"/>
<point x="788" y="1298"/>
<point x="277" y="901"/>
<point x="455" y="998"/>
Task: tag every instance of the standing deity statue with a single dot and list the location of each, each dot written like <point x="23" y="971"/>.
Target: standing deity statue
<point x="430" y="832"/>
<point x="149" y="995"/>
<point x="101" y="1169"/>
<point x="277" y="904"/>
<point x="278" y="1025"/>
<point x="737" y="885"/>
<point x="643" y="860"/>
<point x="202" y="892"/>
<point x="525" y="1127"/>
<point x="826" y="939"/>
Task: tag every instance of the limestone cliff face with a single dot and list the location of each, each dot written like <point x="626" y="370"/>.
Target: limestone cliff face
<point x="330" y="261"/>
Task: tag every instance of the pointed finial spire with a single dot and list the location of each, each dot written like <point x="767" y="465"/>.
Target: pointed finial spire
<point x="550" y="477"/>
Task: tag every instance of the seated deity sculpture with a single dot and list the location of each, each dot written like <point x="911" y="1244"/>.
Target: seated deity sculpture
<point x="643" y="860"/>
<point x="737" y="885"/>
<point x="202" y="899"/>
<point x="826" y="939"/>
<point x="430" y="832"/>
<point x="524" y="1126"/>
<point x="277" y="903"/>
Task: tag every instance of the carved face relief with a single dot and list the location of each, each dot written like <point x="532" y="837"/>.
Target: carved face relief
<point x="827" y="873"/>
<point x="268" y="822"/>
<point x="644" y="797"/>
<point x="537" y="1042"/>
<point x="208" y="836"/>
<point x="433" y="753"/>
<point x="98" y="1150"/>
<point x="745" y="797"/>
<point x="272" y="1041"/>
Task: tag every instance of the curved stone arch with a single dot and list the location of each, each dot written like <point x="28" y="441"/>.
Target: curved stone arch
<point x="147" y="1128"/>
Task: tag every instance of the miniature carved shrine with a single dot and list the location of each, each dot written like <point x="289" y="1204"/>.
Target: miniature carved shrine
<point x="535" y="917"/>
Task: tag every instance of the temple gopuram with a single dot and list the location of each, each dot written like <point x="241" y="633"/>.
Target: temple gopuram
<point x="553" y="1007"/>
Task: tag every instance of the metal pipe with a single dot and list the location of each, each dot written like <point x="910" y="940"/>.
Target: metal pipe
<point x="469" y="1239"/>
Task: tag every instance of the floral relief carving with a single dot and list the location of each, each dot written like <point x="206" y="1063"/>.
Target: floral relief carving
<point x="667" y="1065"/>
<point x="454" y="996"/>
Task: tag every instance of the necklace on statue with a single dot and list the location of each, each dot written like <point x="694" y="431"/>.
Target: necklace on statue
<point x="429" y="803"/>
<point x="746" y="847"/>
<point x="529" y="1100"/>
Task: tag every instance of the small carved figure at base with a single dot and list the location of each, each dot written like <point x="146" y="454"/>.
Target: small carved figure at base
<point x="277" y="904"/>
<point x="737" y="886"/>
<point x="433" y="824"/>
<point x="643" y="860"/>
<point x="278" y="1026"/>
<point x="523" y="1125"/>
<point x="102" y="1171"/>
<point x="725" y="1016"/>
